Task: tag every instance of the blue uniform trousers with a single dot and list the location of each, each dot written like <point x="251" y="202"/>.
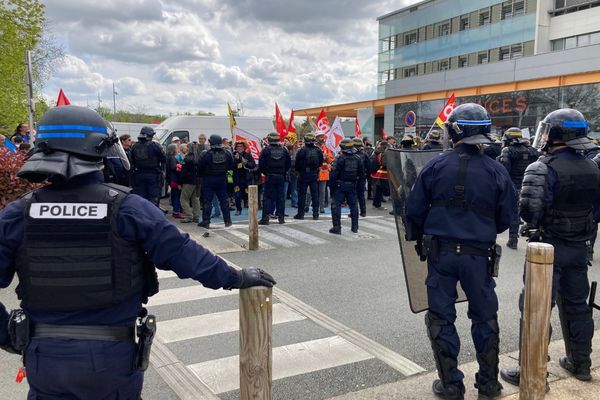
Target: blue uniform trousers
<point x="345" y="191"/>
<point x="274" y="196"/>
<point x="473" y="274"/>
<point x="360" y="195"/>
<point x="211" y="186"/>
<point x="304" y="183"/>
<point x="570" y="290"/>
<point x="78" y="369"/>
<point x="147" y="185"/>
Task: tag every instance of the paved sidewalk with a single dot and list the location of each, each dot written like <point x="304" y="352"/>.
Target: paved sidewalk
<point x="562" y="385"/>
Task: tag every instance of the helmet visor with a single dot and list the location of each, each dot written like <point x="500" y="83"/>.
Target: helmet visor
<point x="116" y="150"/>
<point x="541" y="135"/>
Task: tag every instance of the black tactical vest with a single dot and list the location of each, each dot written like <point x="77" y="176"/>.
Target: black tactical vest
<point x="520" y="158"/>
<point x="144" y="157"/>
<point x="277" y="161"/>
<point x="351" y="166"/>
<point x="218" y="166"/>
<point x="312" y="158"/>
<point x="72" y="258"/>
<point x="570" y="216"/>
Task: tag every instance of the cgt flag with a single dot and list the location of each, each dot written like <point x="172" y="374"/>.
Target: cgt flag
<point x="357" y="131"/>
<point x="62" y="99"/>
<point x="448" y="108"/>
<point x="292" y="134"/>
<point x="280" y="124"/>
<point x="252" y="141"/>
<point x="323" y="123"/>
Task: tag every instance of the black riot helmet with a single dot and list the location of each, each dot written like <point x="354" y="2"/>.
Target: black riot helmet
<point x="215" y="141"/>
<point x="566" y="126"/>
<point x="75" y="130"/>
<point x="434" y="136"/>
<point x="273" y="138"/>
<point x="347" y="146"/>
<point x="470" y="123"/>
<point x="147" y="133"/>
<point x="310" y="138"/>
<point x="407" y="139"/>
<point x="512" y="135"/>
<point x="358" y="143"/>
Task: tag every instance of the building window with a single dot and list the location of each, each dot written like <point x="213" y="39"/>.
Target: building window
<point x="393" y="42"/>
<point x="507" y="9"/>
<point x="571" y="42"/>
<point x="463" y="61"/>
<point x="558" y="45"/>
<point x="444" y="29"/>
<point x="464" y="22"/>
<point x="516" y="51"/>
<point x="519" y="8"/>
<point x="583" y="40"/>
<point x="595" y="38"/>
<point x="484" y="17"/>
<point x="410" y="71"/>
<point x="410" y="38"/>
<point x="482" y="58"/>
<point x="504" y="53"/>
<point x="443" y="65"/>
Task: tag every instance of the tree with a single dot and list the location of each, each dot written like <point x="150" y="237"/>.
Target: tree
<point x="22" y="28"/>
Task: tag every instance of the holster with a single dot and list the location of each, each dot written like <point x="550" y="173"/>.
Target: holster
<point x="494" y="261"/>
<point x="19" y="330"/>
<point x="145" y="329"/>
<point x="430" y="248"/>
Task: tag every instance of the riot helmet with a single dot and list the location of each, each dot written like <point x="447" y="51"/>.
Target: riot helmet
<point x="147" y="133"/>
<point x="310" y="138"/>
<point x="469" y="123"/>
<point x="273" y="138"/>
<point x="565" y="125"/>
<point x="407" y="139"/>
<point x="434" y="136"/>
<point x="512" y="135"/>
<point x="215" y="141"/>
<point x="358" y="143"/>
<point x="347" y="146"/>
<point x="71" y="141"/>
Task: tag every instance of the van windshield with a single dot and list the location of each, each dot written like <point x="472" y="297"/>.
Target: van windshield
<point x="161" y="132"/>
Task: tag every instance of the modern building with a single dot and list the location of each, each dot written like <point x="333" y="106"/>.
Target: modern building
<point x="519" y="58"/>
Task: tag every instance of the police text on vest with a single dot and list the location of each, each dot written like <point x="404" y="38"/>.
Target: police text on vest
<point x="68" y="210"/>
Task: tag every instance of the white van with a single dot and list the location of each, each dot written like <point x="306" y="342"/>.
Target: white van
<point x="190" y="127"/>
<point x="131" y="128"/>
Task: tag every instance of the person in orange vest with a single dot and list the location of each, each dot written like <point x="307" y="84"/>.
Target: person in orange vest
<point x="379" y="175"/>
<point x="324" y="170"/>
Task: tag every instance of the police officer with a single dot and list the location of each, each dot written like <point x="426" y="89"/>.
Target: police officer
<point x="515" y="157"/>
<point x="274" y="162"/>
<point x="308" y="160"/>
<point x="84" y="253"/>
<point x="433" y="141"/>
<point x="461" y="200"/>
<point x="407" y="142"/>
<point x="347" y="168"/>
<point x="362" y="179"/>
<point x="148" y="159"/>
<point x="558" y="197"/>
<point x="213" y="166"/>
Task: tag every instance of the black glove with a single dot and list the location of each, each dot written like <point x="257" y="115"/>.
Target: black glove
<point x="5" y="343"/>
<point x="527" y="230"/>
<point x="252" y="276"/>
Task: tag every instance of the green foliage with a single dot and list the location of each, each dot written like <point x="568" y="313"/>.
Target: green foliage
<point x="128" y="116"/>
<point x="21" y="29"/>
<point x="13" y="186"/>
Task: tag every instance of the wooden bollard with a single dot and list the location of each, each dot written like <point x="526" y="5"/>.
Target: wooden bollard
<point x="536" y="321"/>
<point x="256" y="349"/>
<point x="252" y="217"/>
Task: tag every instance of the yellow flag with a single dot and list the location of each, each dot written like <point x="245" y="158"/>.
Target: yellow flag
<point x="232" y="123"/>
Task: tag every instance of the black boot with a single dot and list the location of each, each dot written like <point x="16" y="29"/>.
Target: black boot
<point x="298" y="216"/>
<point x="264" y="221"/>
<point x="281" y="220"/>
<point x="512" y="242"/>
<point x="581" y="373"/>
<point x="228" y="224"/>
<point x="204" y="224"/>
<point x="446" y="365"/>
<point x="486" y="380"/>
<point x="315" y="217"/>
<point x="336" y="230"/>
<point x="578" y="345"/>
<point x="511" y="375"/>
<point x="354" y="228"/>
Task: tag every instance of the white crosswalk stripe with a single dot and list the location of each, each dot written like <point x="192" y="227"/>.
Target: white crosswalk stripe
<point x="378" y="227"/>
<point x="275" y="239"/>
<point x="245" y="238"/>
<point x="186" y="293"/>
<point x="222" y="375"/>
<point x="216" y="323"/>
<point x="299" y="235"/>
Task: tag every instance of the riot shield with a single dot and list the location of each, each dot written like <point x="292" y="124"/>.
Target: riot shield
<point x="403" y="168"/>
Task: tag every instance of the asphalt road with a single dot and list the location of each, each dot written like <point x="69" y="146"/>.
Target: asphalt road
<point x="341" y="317"/>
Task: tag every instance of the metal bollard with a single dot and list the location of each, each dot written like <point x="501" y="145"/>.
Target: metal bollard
<point x="256" y="348"/>
<point x="536" y="320"/>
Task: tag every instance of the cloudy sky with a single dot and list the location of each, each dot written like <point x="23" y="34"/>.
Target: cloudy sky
<point x="190" y="55"/>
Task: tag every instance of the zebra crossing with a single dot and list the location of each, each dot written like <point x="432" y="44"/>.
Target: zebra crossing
<point x="182" y="341"/>
<point x="293" y="234"/>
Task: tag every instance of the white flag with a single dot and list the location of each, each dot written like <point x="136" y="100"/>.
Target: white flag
<point x="335" y="136"/>
<point x="252" y="141"/>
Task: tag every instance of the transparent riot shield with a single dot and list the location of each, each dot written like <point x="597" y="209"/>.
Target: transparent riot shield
<point x="403" y="168"/>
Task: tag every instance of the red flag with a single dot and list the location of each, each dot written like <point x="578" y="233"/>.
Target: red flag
<point x="323" y="123"/>
<point x="62" y="99"/>
<point x="445" y="113"/>
<point x="357" y="131"/>
<point x="252" y="141"/>
<point x="292" y="134"/>
<point x="280" y="124"/>
<point x="383" y="135"/>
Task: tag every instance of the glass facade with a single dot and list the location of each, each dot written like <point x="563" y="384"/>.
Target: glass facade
<point x="523" y="109"/>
